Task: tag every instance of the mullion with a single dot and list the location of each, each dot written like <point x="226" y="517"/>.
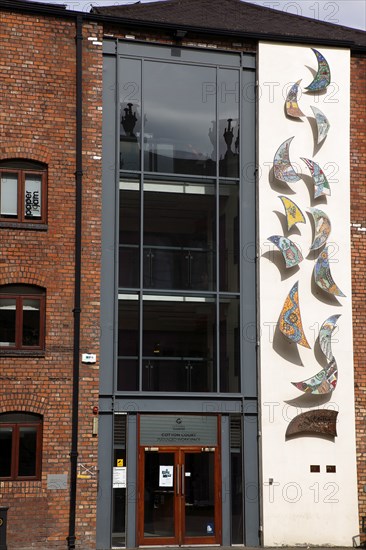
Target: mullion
<point x="217" y="350"/>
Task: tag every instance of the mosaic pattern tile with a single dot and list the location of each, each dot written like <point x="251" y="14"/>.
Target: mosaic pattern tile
<point x="322" y="228"/>
<point x="322" y="78"/>
<point x="293" y="212"/>
<point x="290" y="318"/>
<point x="292" y="106"/>
<point x="282" y="167"/>
<point x="321" y="184"/>
<point x="322" y="123"/>
<point x="325" y="381"/>
<point x="290" y="251"/>
<point x="325" y="336"/>
<point x="323" y="276"/>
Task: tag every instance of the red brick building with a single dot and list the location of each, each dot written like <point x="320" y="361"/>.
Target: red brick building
<point x="131" y="214"/>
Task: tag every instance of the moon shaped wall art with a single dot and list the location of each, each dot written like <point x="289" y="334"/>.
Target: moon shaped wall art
<point x="290" y="318"/>
<point x="290" y="251"/>
<point x="325" y="336"/>
<point x="318" y="421"/>
<point x="325" y="381"/>
<point x="322" y="124"/>
<point x="282" y="167"/>
<point x="293" y="212"/>
<point x="322" y="228"/>
<point x="322" y="76"/>
<point x="321" y="184"/>
<point x="323" y="276"/>
<point x="292" y="106"/>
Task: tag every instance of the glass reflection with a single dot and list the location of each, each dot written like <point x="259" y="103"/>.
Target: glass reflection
<point x="128" y="345"/>
<point x="199" y="494"/>
<point x="27" y="451"/>
<point x="159" y="502"/>
<point x="180" y="105"/>
<point x="179" y="236"/>
<point x="229" y="346"/>
<point x="31" y="322"/>
<point x="228" y="101"/>
<point x="129" y="234"/>
<point x="179" y="345"/>
<point x="130" y="109"/>
<point x="229" y="237"/>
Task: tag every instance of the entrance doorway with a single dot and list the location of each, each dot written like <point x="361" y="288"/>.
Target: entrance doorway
<point x="179" y="500"/>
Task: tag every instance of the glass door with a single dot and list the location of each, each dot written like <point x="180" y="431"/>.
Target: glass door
<point x="179" y="496"/>
<point x="158" y="500"/>
<point x="199" y="496"/>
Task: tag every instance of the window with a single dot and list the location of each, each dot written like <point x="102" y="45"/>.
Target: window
<point x="22" y="312"/>
<point x="21" y="446"/>
<point x="22" y="191"/>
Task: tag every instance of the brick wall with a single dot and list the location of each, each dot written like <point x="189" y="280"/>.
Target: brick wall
<point x="37" y="68"/>
<point x="358" y="228"/>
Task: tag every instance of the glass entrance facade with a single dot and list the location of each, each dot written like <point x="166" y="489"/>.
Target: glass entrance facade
<point x="178" y="293"/>
<point x="179" y="228"/>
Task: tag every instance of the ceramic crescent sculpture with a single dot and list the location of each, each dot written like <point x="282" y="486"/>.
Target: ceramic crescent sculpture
<point x="292" y="106"/>
<point x="290" y="251"/>
<point x="282" y="167"/>
<point x="322" y="77"/>
<point x="290" y="318"/>
<point x="325" y="336"/>
<point x="325" y="381"/>
<point x="321" y="184"/>
<point x="322" y="228"/>
<point x="323" y="276"/>
<point x="322" y="123"/>
<point x="293" y="212"/>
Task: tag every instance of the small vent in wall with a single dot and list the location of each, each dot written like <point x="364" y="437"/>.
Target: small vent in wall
<point x="120" y="429"/>
<point x="235" y="432"/>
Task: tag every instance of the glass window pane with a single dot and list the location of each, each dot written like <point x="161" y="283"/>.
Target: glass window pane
<point x="229" y="237"/>
<point x="199" y="494"/>
<point x="228" y="100"/>
<point x="31" y="322"/>
<point x="229" y="345"/>
<point x="179" y="235"/>
<point x="128" y="328"/>
<point x="7" y="321"/>
<point x="9" y="194"/>
<point x="6" y="451"/>
<point x="27" y="451"/>
<point x="128" y="345"/>
<point x="127" y="375"/>
<point x="179" y="341"/>
<point x="130" y="101"/>
<point x="159" y="502"/>
<point x="180" y="118"/>
<point x="129" y="233"/>
<point x="33" y="196"/>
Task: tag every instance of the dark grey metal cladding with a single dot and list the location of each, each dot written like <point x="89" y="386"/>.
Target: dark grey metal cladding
<point x="165" y="429"/>
<point x="244" y="403"/>
<point x="109" y="174"/>
<point x="104" y="502"/>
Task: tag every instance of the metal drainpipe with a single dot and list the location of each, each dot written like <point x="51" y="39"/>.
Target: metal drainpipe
<point x="77" y="291"/>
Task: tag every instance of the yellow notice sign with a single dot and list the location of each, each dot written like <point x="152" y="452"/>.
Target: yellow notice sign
<point x="119" y="462"/>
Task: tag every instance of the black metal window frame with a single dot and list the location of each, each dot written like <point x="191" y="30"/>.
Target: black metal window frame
<point x="234" y="61"/>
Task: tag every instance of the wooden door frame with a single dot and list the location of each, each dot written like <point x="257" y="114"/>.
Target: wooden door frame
<point x="179" y="515"/>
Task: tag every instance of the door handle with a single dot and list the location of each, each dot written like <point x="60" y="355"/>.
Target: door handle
<point x="183" y="480"/>
<point x="177" y="478"/>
